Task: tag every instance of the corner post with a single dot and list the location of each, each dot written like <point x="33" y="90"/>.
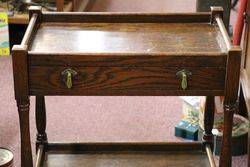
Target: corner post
<point x="36" y="10"/>
<point x="230" y="103"/>
<point x="20" y="71"/>
<point x="216" y="11"/>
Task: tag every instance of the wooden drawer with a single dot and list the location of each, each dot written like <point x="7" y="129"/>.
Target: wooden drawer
<point x="48" y="80"/>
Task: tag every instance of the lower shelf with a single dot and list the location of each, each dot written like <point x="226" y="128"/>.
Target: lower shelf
<point x="124" y="155"/>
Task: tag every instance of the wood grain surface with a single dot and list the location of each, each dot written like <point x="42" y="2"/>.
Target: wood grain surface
<point x="171" y="159"/>
<point x="123" y="80"/>
<point x="144" y="38"/>
<point x="123" y="154"/>
<point x="125" y="17"/>
<point x="126" y="54"/>
<point x="107" y="60"/>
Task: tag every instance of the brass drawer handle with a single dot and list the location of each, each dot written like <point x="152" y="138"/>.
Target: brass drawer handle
<point x="183" y="75"/>
<point x="68" y="74"/>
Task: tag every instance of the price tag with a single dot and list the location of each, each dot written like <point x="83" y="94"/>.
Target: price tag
<point x="4" y="35"/>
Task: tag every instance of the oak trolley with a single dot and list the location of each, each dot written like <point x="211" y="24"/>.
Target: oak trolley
<point x="125" y="54"/>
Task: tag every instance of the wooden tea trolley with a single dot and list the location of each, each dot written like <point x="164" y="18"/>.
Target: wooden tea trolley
<point x="125" y="54"/>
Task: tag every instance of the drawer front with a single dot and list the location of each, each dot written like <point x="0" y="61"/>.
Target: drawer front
<point x="48" y="80"/>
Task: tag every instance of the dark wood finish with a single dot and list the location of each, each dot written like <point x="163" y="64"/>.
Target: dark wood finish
<point x="187" y="159"/>
<point x="20" y="69"/>
<point x="129" y="38"/>
<point x="35" y="19"/>
<point x="126" y="54"/>
<point x="209" y="120"/>
<point x="116" y="17"/>
<point x="41" y="137"/>
<point x="224" y="33"/>
<point x="124" y="146"/>
<point x="230" y="102"/>
<point x="126" y="60"/>
<point x="126" y="154"/>
<point x="124" y="81"/>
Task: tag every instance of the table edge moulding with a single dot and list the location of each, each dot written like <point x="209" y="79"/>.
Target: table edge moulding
<point x="217" y="72"/>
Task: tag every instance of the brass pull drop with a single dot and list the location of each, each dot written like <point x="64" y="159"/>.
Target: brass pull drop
<point x="68" y="75"/>
<point x="183" y="75"/>
<point x="69" y="80"/>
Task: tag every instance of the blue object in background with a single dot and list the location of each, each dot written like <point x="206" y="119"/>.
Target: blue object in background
<point x="187" y="130"/>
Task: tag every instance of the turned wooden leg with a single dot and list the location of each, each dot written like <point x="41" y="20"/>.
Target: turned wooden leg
<point x="41" y="137"/>
<point x="26" y="153"/>
<point x="208" y="121"/>
<point x="225" y="155"/>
